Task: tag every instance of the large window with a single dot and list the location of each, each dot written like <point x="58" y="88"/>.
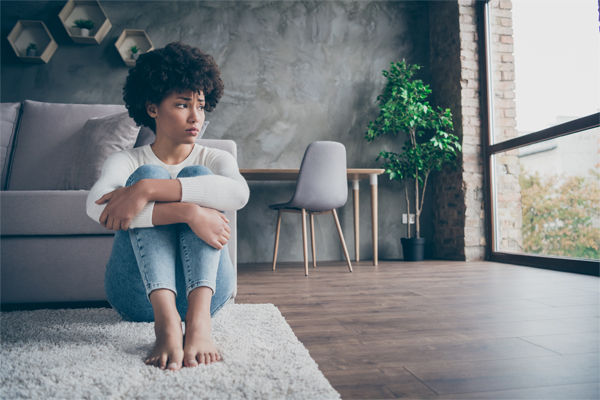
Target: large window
<point x="543" y="145"/>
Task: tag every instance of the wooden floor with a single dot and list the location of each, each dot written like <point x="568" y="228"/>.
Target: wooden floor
<point x="439" y="329"/>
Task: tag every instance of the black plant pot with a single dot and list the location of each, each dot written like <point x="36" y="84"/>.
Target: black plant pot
<point x="413" y="248"/>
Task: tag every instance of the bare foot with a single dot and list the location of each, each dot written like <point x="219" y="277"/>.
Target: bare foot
<point x="199" y="347"/>
<point x="168" y="349"/>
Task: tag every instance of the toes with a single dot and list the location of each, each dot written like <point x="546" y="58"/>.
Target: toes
<point x="162" y="362"/>
<point x="175" y="361"/>
<point x="191" y="362"/>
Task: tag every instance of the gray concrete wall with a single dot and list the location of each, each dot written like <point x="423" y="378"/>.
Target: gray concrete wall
<point x="294" y="72"/>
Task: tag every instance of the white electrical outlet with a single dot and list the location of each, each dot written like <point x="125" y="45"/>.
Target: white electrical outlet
<point x="405" y="218"/>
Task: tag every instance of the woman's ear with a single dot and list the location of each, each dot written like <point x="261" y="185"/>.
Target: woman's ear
<point x="151" y="109"/>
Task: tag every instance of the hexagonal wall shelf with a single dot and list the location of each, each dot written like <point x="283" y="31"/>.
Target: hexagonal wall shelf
<point x="133" y="37"/>
<point x="26" y="32"/>
<point x="81" y="9"/>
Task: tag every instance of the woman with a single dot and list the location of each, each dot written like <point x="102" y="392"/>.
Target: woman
<point x="165" y="200"/>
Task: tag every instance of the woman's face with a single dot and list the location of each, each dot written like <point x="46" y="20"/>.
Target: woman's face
<point x="179" y="116"/>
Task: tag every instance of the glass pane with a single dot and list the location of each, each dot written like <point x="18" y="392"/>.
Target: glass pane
<point x="548" y="197"/>
<point x="545" y="63"/>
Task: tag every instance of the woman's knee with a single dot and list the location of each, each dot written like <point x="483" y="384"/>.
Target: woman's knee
<point x="194" y="170"/>
<point x="148" y="171"/>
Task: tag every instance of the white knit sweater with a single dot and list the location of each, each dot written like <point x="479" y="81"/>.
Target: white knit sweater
<point x="224" y="191"/>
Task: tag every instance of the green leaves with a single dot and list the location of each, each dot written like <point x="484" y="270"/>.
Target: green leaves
<point x="558" y="213"/>
<point x="403" y="108"/>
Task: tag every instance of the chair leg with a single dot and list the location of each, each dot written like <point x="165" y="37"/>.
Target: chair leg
<point x="339" y="228"/>
<point x="304" y="242"/>
<point x="312" y="238"/>
<point x="277" y="239"/>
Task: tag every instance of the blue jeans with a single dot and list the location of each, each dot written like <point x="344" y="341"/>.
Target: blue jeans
<point x="164" y="257"/>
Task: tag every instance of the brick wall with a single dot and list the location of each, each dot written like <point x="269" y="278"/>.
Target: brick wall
<point x="507" y="164"/>
<point x="447" y="186"/>
<point x="459" y="197"/>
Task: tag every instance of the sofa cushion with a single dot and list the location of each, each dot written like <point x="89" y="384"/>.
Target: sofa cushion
<point x="146" y="136"/>
<point x="9" y="113"/>
<point x="44" y="141"/>
<point x="221" y="144"/>
<point x="47" y="212"/>
<point x="98" y="139"/>
<point x="62" y="212"/>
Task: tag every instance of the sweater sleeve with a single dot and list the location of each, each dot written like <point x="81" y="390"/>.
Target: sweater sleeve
<point x="226" y="190"/>
<point x="116" y="170"/>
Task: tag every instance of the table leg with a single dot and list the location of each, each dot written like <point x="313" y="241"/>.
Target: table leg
<point x="373" y="179"/>
<point x="355" y="187"/>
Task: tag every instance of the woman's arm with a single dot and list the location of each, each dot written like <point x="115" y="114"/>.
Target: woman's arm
<point x="165" y="190"/>
<point x="208" y="224"/>
<point x="116" y="170"/>
<point x="172" y="213"/>
<point x="226" y="190"/>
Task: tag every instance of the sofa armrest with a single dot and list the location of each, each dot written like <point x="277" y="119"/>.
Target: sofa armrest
<point x="47" y="212"/>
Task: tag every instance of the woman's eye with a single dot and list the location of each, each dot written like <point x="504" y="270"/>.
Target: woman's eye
<point x="200" y="107"/>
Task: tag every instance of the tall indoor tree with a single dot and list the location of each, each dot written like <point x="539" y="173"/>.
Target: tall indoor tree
<point x="429" y="144"/>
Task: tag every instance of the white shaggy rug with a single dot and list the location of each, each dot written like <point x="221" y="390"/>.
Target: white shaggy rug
<point x="94" y="354"/>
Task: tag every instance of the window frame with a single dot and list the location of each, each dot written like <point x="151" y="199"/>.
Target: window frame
<point x="489" y="149"/>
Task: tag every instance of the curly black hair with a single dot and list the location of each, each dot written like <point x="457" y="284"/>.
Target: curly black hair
<point x="177" y="66"/>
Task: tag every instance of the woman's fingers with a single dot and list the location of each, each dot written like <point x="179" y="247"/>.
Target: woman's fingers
<point x="224" y="217"/>
<point x="224" y="239"/>
<point x="104" y="198"/>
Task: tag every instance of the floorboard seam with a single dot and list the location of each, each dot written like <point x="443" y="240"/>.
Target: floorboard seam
<point x="535" y="344"/>
<point x="417" y="378"/>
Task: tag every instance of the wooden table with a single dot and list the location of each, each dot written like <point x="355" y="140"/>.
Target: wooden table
<point x="354" y="174"/>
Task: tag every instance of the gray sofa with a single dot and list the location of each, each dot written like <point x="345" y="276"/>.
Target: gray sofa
<point x="51" y="251"/>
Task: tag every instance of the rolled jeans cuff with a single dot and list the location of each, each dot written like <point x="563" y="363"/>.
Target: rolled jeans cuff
<point x="197" y="284"/>
<point x="159" y="285"/>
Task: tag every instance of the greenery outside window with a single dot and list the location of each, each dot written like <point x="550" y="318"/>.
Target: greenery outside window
<point x="542" y="146"/>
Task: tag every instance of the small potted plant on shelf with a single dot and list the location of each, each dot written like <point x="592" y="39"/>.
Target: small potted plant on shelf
<point x="84" y="25"/>
<point x="32" y="50"/>
<point x="134" y="52"/>
<point x="428" y="146"/>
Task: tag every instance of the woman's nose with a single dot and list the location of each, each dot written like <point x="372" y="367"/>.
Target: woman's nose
<point x="196" y="114"/>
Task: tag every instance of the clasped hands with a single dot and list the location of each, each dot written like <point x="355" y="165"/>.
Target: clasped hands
<point x="125" y="203"/>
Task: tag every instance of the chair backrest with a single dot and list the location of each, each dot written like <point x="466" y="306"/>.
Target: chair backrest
<point x="322" y="182"/>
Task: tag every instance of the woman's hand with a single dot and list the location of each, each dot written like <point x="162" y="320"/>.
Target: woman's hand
<point x="210" y="225"/>
<point x="123" y="204"/>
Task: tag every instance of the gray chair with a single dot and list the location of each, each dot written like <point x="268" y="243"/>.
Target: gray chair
<point x="321" y="188"/>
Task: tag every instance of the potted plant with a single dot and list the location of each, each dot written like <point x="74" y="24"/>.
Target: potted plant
<point x="428" y="146"/>
<point x="134" y="52"/>
<point x="31" y="50"/>
<point x="84" y="25"/>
